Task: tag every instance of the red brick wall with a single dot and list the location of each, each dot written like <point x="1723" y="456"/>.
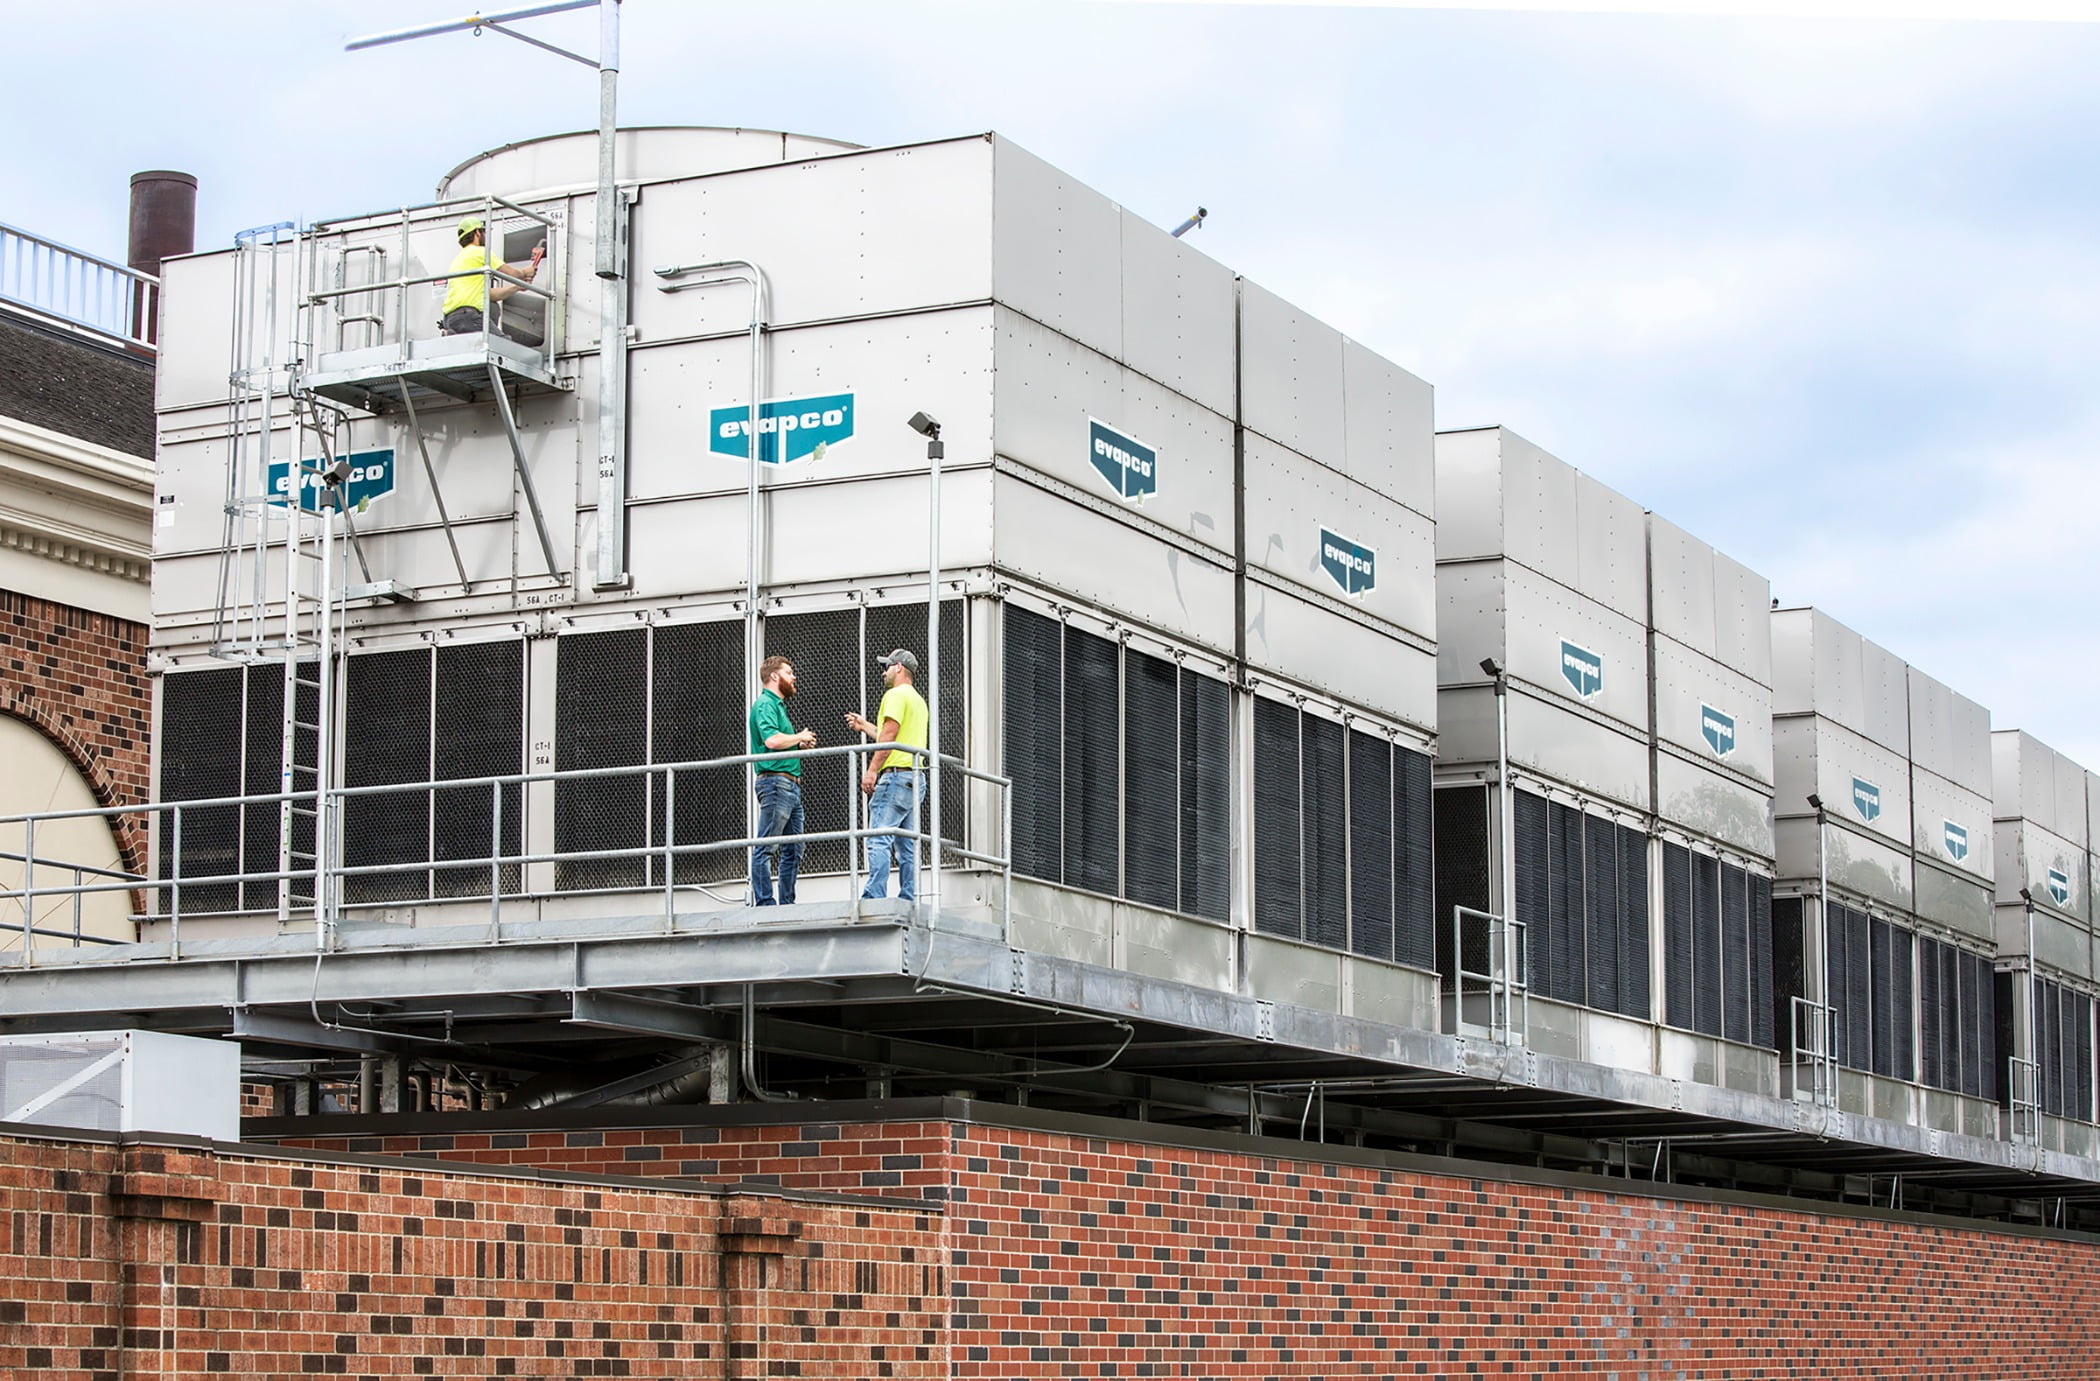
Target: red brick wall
<point x="80" y="677"/>
<point x="1074" y="1254"/>
<point x="145" y="1261"/>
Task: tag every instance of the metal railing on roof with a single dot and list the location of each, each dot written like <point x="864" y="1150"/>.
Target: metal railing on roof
<point x="29" y="911"/>
<point x="79" y="291"/>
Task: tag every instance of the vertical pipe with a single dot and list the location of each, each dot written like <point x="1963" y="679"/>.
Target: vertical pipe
<point x="930" y="860"/>
<point x="751" y="657"/>
<point x="612" y="315"/>
<point x="29" y="892"/>
<point x="324" y="731"/>
<point x="495" y="862"/>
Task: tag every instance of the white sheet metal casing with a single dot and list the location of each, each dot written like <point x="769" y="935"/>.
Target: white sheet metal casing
<point x="1713" y="691"/>
<point x="134" y="1081"/>
<point x="1951" y="797"/>
<point x="1105" y="318"/>
<point x="2042" y="843"/>
<point x="1543" y="569"/>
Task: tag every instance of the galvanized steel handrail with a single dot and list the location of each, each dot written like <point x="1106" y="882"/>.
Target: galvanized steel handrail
<point x="333" y="871"/>
<point x="78" y="289"/>
<point x="1506" y="981"/>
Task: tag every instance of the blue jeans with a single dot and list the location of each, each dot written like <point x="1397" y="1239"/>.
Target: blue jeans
<point x="895" y="805"/>
<point x="779" y="812"/>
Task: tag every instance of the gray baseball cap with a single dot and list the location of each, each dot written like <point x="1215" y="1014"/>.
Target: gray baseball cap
<point x="900" y="658"/>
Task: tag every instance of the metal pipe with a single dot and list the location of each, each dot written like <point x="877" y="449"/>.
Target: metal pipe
<point x="472" y="21"/>
<point x="612" y="316"/>
<point x="750" y="1054"/>
<point x="930" y="864"/>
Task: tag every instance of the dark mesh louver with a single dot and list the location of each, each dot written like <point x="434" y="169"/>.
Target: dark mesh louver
<point x="825" y="648"/>
<point x="697" y="712"/>
<point x="892" y="626"/>
<point x="1706" y="944"/>
<point x="386" y="740"/>
<point x="262" y="773"/>
<point x="1601" y="904"/>
<point x="1635" y="924"/>
<point x="1414" y="860"/>
<point x="1788" y="973"/>
<point x="199" y="728"/>
<point x="1761" y="1030"/>
<point x="1277" y="839"/>
<point x="1933" y="1065"/>
<point x="1582" y="892"/>
<point x="1034" y="695"/>
<point x="1533" y="897"/>
<point x="1206" y="796"/>
<point x="478" y="696"/>
<point x="1151" y="787"/>
<point x="1370" y="845"/>
<point x="1324" y="882"/>
<point x="1678" y="944"/>
<point x="1093" y="750"/>
<point x="1735" y="953"/>
<point x="1463" y="867"/>
<point x="601" y="706"/>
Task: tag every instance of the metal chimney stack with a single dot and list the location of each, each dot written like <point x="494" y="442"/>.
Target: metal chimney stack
<point x="163" y="224"/>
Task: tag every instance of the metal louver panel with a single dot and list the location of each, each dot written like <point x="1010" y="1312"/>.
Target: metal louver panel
<point x="1206" y="796"/>
<point x="199" y="727"/>
<point x="904" y="625"/>
<point x="1463" y="859"/>
<point x="2081" y="1081"/>
<point x="1706" y="944"/>
<point x="1414" y="859"/>
<point x="1093" y="760"/>
<point x="1370" y="846"/>
<point x="478" y="697"/>
<point x="1789" y="968"/>
<point x="386" y="739"/>
<point x="698" y="708"/>
<point x="1151" y="753"/>
<point x="1932" y="1065"/>
<point x="1635" y="925"/>
<point x="1034" y="732"/>
<point x="262" y="772"/>
<point x="1902" y="1057"/>
<point x="2047" y="1039"/>
<point x="1325" y="809"/>
<point x="1564" y="903"/>
<point x="1276" y="823"/>
<point x="1533" y="899"/>
<point x="830" y="679"/>
<point x="1761" y="970"/>
<point x="1600" y="895"/>
<point x="1677" y="936"/>
<point x="1735" y="953"/>
<point x="601" y="683"/>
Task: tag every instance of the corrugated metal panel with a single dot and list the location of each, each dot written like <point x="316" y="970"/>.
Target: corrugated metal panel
<point x="1636" y="926"/>
<point x="1414" y="866"/>
<point x="2048" y="1036"/>
<point x="1600" y="896"/>
<point x="386" y="711"/>
<point x="1150" y="786"/>
<point x="1677" y="937"/>
<point x="1206" y="796"/>
<point x="1277" y="908"/>
<point x="1462" y="864"/>
<point x="478" y="699"/>
<point x="1034" y="732"/>
<point x="1881" y="997"/>
<point x="1902" y="1058"/>
<point x="1565" y="903"/>
<point x="1761" y="962"/>
<point x="1706" y="944"/>
<point x="199" y="726"/>
<point x="1933" y="1065"/>
<point x="1325" y="807"/>
<point x="1789" y="974"/>
<point x="1735" y="953"/>
<point x="601" y="683"/>
<point x="1093" y="723"/>
<point x="1534" y="905"/>
<point x="1370" y="845"/>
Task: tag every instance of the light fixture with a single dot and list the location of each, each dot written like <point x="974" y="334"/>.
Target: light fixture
<point x="924" y="425"/>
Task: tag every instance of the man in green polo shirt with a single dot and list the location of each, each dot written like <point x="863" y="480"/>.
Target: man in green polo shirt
<point x="892" y="780"/>
<point x="779" y="781"/>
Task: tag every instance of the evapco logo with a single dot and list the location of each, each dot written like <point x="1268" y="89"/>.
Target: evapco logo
<point x="1583" y="668"/>
<point x="1866" y="799"/>
<point x="789" y="429"/>
<point x="371" y="477"/>
<point x="1957" y="840"/>
<point x="1353" y="566"/>
<point x="2059" y="887"/>
<point x="1718" y="729"/>
<point x="1129" y="465"/>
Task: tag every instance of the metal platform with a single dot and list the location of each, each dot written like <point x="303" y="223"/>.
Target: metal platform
<point x="443" y="369"/>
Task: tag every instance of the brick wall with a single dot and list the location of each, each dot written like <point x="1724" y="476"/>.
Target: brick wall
<point x="1081" y="1250"/>
<point x="80" y="677"/>
<point x="148" y="1261"/>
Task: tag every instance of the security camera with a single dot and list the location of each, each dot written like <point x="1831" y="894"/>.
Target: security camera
<point x="1491" y="666"/>
<point x="1815" y="801"/>
<point x="924" y="425"/>
<point x="337" y="473"/>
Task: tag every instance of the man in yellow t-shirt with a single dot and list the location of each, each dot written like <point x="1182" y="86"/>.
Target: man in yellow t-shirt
<point x="892" y="780"/>
<point x="467" y="294"/>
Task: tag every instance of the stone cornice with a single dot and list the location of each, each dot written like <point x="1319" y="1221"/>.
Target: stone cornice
<point x="74" y="502"/>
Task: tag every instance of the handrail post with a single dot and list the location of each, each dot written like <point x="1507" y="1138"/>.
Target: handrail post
<point x="29" y="893"/>
<point x="670" y="857"/>
<point x="854" y="825"/>
<point x="495" y="862"/>
<point x="175" y="893"/>
<point x="1006" y="850"/>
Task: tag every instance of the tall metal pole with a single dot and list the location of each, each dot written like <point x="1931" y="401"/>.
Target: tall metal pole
<point x="612" y="316"/>
<point x="931" y="869"/>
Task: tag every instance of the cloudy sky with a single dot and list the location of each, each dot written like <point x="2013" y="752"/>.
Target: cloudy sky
<point x="1824" y="291"/>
